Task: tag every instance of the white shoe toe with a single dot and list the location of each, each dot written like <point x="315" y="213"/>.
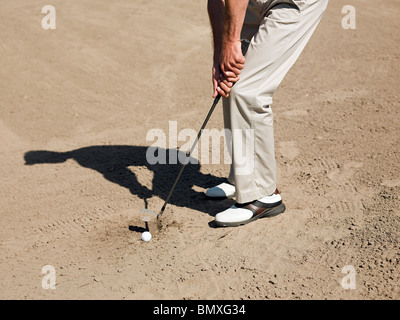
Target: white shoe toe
<point x="223" y="190"/>
<point x="233" y="215"/>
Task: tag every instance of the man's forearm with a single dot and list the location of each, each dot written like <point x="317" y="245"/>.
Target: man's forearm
<point x="226" y="17"/>
<point x="235" y="11"/>
<point x="216" y="12"/>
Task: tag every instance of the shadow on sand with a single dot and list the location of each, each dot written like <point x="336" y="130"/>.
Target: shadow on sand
<point x="113" y="163"/>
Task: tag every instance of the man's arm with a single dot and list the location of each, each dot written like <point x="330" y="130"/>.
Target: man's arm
<point x="231" y="54"/>
<point x="216" y="12"/>
<point x="235" y="13"/>
<point x="226" y="18"/>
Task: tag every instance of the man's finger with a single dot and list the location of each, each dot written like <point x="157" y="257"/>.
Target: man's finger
<point x="228" y="83"/>
<point x="215" y="93"/>
<point x="241" y="60"/>
<point x="231" y="77"/>
<point x="222" y="92"/>
<point x="225" y="87"/>
<point x="238" y="64"/>
<point x="215" y="85"/>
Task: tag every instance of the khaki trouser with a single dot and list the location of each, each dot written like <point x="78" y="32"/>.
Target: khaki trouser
<point x="277" y="37"/>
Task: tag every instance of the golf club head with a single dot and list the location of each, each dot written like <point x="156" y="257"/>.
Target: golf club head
<point x="159" y="221"/>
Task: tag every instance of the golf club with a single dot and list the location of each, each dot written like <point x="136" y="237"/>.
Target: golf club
<point x="245" y="45"/>
<point x="188" y="154"/>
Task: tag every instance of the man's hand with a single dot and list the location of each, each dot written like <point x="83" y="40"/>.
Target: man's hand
<point x="231" y="64"/>
<point x="221" y="85"/>
<point x="232" y="60"/>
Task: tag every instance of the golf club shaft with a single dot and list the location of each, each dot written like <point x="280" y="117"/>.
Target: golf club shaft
<point x="189" y="153"/>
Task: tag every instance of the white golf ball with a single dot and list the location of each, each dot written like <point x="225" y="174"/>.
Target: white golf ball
<point x="146" y="236"/>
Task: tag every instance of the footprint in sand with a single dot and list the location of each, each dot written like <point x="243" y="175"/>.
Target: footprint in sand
<point x="345" y="173"/>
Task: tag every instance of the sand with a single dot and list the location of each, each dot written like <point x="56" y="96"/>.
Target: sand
<point x="77" y="103"/>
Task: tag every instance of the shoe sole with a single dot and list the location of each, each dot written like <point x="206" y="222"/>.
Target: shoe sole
<point x="272" y="212"/>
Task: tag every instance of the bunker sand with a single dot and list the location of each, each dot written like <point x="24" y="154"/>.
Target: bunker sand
<point x="77" y="103"/>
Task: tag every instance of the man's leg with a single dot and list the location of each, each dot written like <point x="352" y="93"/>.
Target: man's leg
<point x="281" y="37"/>
<point x="273" y="50"/>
